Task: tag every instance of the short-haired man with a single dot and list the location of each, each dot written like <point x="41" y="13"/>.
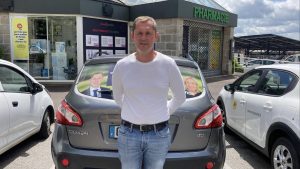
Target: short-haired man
<point x="141" y="82"/>
<point x="95" y="88"/>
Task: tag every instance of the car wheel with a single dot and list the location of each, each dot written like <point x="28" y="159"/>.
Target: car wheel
<point x="284" y="155"/>
<point x="45" y="131"/>
<point x="226" y="129"/>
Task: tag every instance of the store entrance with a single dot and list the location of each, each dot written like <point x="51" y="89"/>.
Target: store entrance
<point x="38" y="47"/>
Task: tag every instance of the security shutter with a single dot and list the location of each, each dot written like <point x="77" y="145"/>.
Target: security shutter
<point x="203" y="43"/>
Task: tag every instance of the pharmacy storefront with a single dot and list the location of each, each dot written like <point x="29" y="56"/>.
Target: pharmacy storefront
<point x="52" y="43"/>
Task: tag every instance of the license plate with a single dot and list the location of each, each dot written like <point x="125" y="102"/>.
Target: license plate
<point x="114" y="131"/>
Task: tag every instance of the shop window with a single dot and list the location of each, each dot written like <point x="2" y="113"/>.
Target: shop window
<point x="52" y="48"/>
<point x="63" y="47"/>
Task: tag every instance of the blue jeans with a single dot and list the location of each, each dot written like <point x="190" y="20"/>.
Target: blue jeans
<point x="138" y="148"/>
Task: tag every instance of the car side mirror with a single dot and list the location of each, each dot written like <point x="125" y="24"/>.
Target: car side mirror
<point x="230" y="88"/>
<point x="36" y="88"/>
<point x="26" y="89"/>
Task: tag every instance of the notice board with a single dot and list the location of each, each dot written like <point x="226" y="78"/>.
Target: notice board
<point x="108" y="37"/>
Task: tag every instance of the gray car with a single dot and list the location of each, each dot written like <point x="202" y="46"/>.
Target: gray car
<point x="86" y="128"/>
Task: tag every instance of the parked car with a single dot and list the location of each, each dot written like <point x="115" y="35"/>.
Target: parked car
<point x="258" y="62"/>
<point x="262" y="106"/>
<point x="291" y="59"/>
<point x="86" y="130"/>
<point x="26" y="107"/>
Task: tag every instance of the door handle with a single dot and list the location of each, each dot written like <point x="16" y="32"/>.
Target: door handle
<point x="15" y="104"/>
<point x="242" y="101"/>
<point x="268" y="107"/>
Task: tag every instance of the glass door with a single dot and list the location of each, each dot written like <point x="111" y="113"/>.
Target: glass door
<point x="63" y="47"/>
<point x="38" y="47"/>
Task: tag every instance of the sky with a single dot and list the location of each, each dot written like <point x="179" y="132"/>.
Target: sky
<point x="279" y="17"/>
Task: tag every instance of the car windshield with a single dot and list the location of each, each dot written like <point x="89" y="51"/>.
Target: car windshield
<point x="259" y="62"/>
<point x="96" y="81"/>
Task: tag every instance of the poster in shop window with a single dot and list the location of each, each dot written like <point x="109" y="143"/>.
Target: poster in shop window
<point x="120" y="41"/>
<point x="107" y="41"/>
<point x="215" y="50"/>
<point x="112" y="36"/>
<point x="92" y="40"/>
<point x="20" y="38"/>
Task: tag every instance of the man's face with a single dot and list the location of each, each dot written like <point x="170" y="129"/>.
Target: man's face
<point x="96" y="80"/>
<point x="144" y="36"/>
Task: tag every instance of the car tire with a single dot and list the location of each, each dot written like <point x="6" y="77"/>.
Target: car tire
<point x="45" y="131"/>
<point x="285" y="154"/>
<point x="226" y="129"/>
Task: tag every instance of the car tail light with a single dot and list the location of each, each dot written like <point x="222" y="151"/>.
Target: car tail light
<point x="65" y="162"/>
<point x="212" y="118"/>
<point x="209" y="165"/>
<point x="67" y="116"/>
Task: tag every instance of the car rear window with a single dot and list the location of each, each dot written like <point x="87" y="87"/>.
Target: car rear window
<point x="96" y="81"/>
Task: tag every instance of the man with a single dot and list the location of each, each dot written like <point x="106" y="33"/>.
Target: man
<point x="95" y="89"/>
<point x="141" y="82"/>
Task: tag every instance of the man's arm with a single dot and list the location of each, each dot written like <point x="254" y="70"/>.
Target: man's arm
<point x="117" y="86"/>
<point x="177" y="88"/>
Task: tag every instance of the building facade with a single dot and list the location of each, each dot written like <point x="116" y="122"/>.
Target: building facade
<point x="52" y="39"/>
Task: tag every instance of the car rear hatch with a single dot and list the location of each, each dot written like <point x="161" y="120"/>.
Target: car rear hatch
<point x="101" y="118"/>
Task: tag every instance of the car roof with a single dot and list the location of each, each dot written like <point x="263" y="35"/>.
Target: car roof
<point x="114" y="58"/>
<point x="264" y="59"/>
<point x="295" y="68"/>
<point x="8" y="63"/>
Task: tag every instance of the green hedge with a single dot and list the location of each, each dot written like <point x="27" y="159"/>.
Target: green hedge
<point x="1" y="52"/>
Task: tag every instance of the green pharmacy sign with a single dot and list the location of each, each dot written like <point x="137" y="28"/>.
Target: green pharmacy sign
<point x="211" y="15"/>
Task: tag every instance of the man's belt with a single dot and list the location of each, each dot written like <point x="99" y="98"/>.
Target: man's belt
<point x="146" y="127"/>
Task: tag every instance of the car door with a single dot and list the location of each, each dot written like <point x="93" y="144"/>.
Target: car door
<point x="4" y="119"/>
<point x="238" y="101"/>
<point x="268" y="101"/>
<point x="15" y="91"/>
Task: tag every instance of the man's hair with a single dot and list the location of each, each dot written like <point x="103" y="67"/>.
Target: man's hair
<point x="144" y="19"/>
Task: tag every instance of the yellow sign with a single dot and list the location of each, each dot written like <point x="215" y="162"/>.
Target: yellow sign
<point x="234" y="104"/>
<point x="215" y="50"/>
<point x="20" y="38"/>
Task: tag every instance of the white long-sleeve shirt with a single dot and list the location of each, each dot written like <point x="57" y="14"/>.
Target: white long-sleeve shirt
<point x="141" y="89"/>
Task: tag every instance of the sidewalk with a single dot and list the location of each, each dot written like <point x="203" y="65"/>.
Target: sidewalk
<point x="216" y="83"/>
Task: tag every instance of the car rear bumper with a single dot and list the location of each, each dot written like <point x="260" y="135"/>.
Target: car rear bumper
<point x="95" y="159"/>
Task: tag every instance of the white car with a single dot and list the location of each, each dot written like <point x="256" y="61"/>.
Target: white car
<point x="26" y="107"/>
<point x="262" y="106"/>
<point x="258" y="62"/>
<point x="291" y="59"/>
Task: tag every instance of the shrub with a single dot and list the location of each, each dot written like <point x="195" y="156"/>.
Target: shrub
<point x="1" y="52"/>
<point x="236" y="67"/>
